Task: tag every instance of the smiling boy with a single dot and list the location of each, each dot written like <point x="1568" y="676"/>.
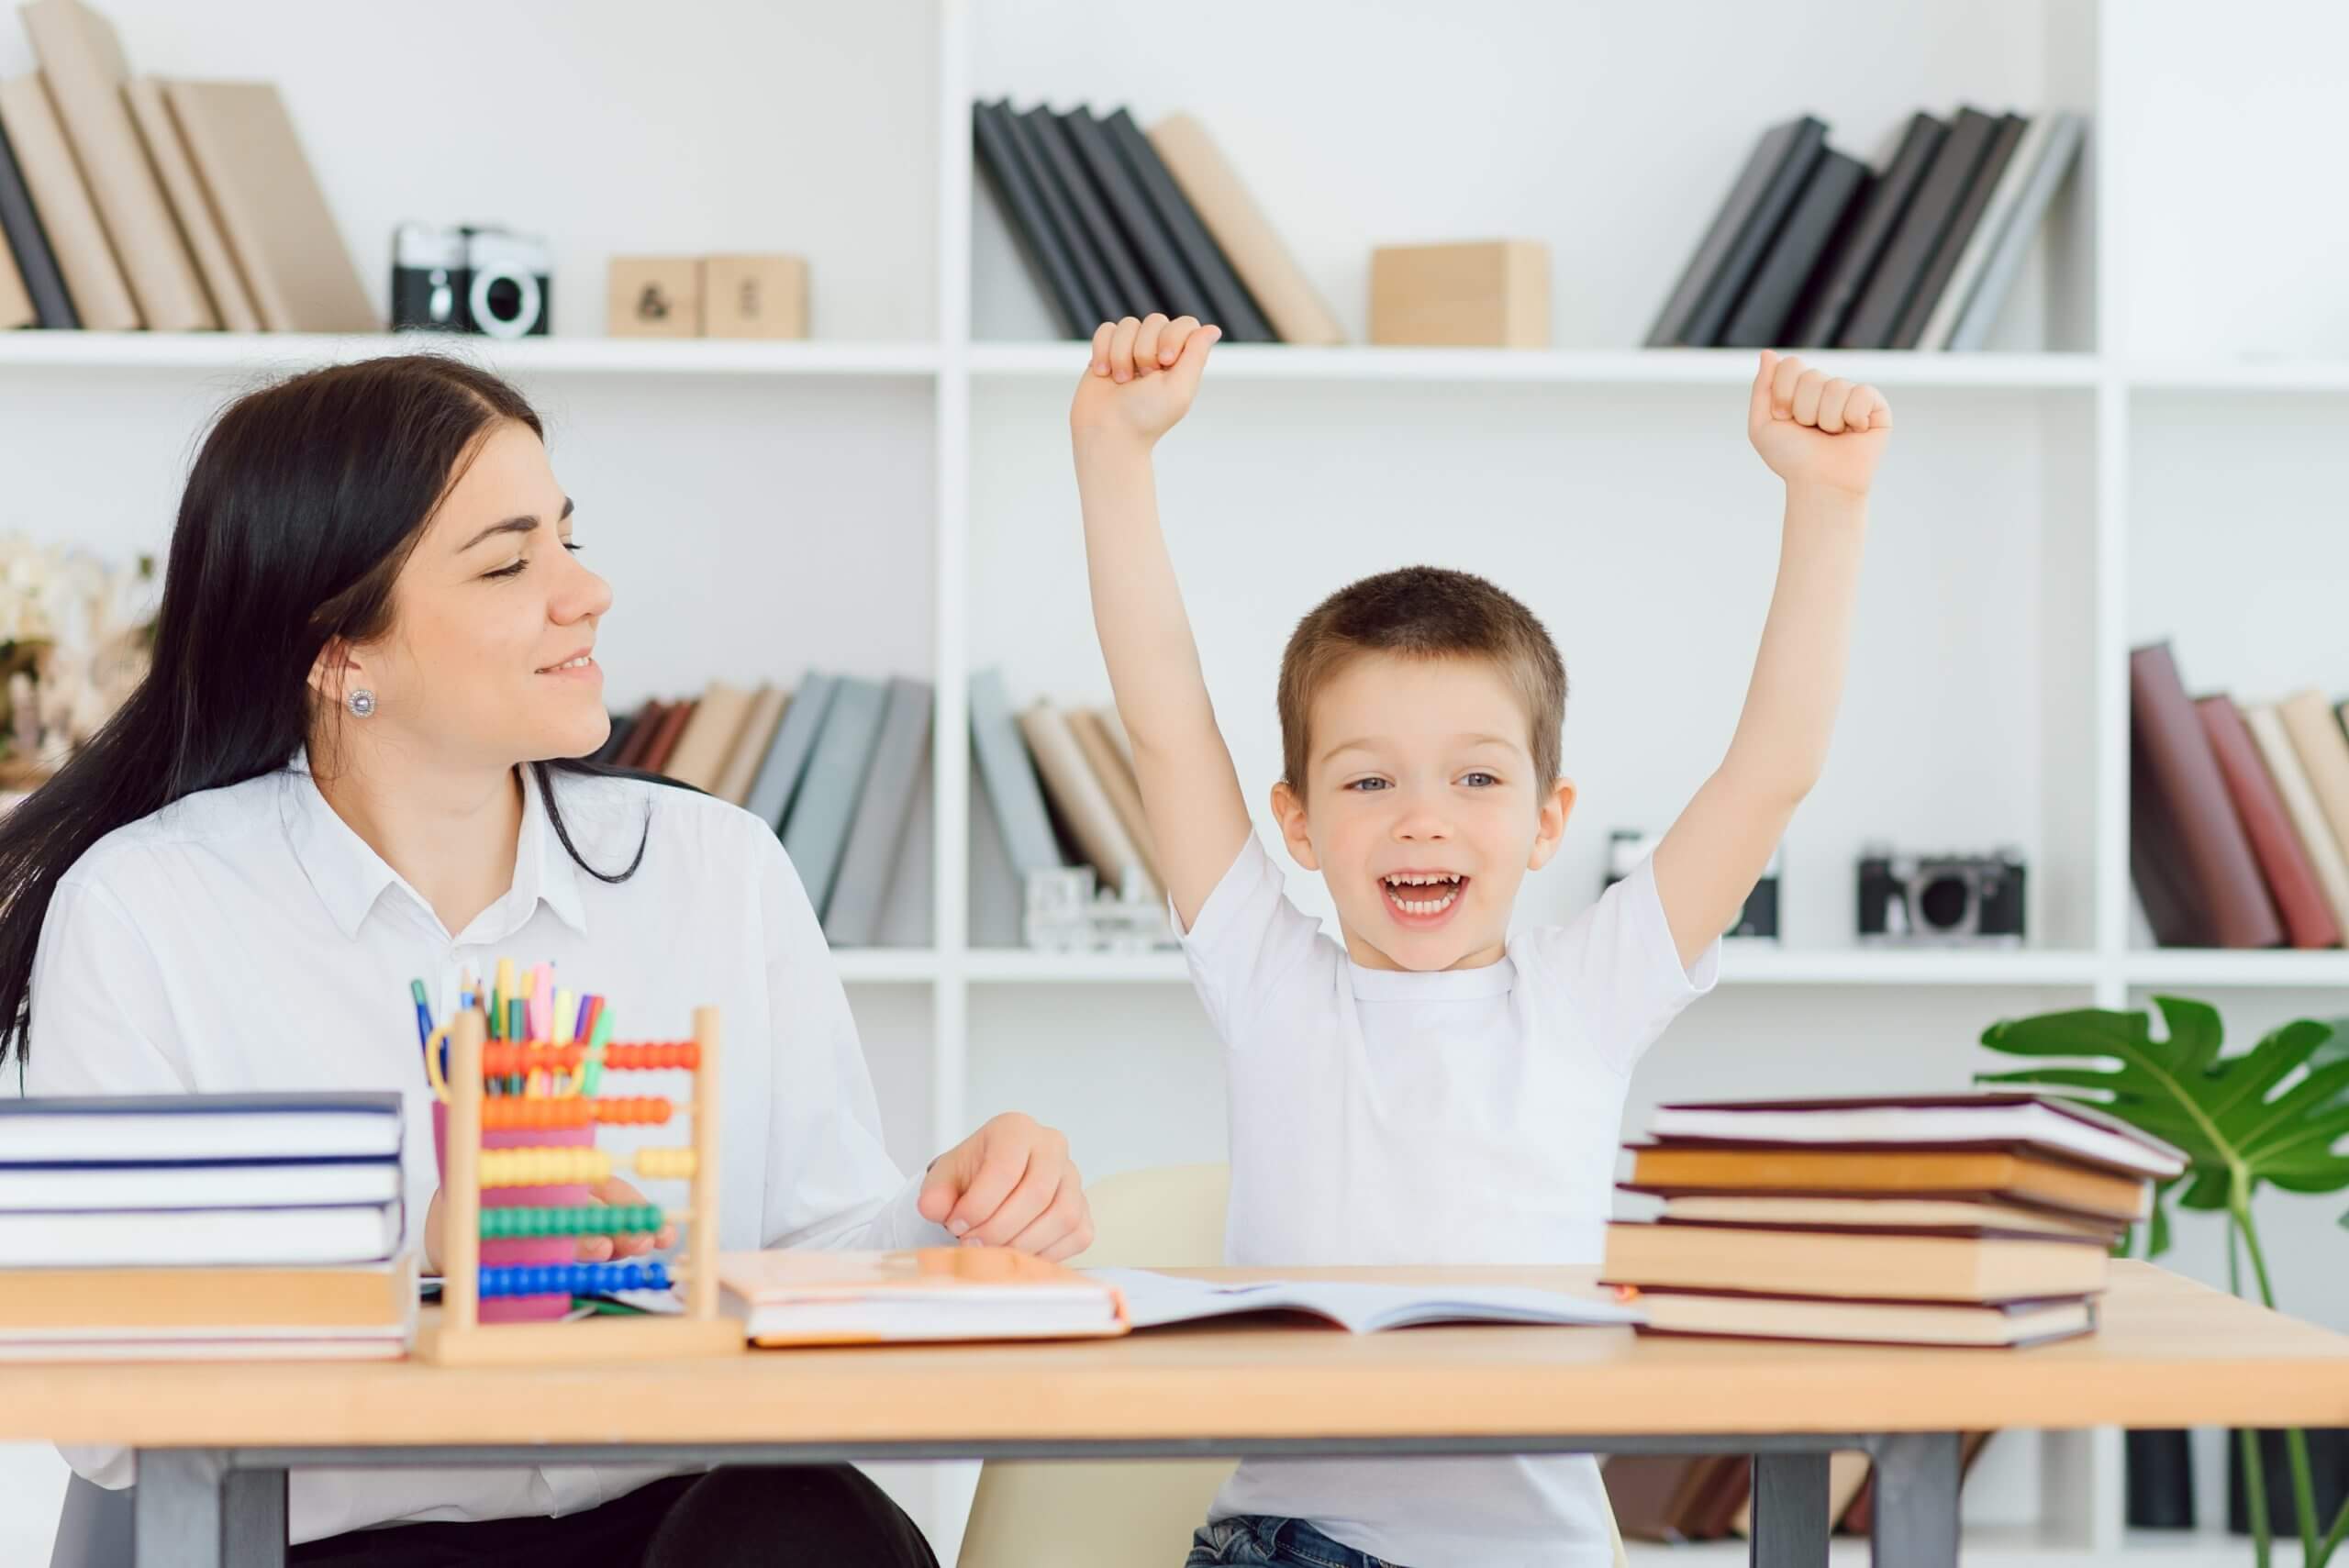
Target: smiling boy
<point x="1432" y="1090"/>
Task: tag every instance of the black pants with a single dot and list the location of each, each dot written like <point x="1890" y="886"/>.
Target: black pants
<point x="773" y="1517"/>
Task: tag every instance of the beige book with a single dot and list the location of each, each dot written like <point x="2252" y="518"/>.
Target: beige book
<point x="2327" y="850"/>
<point x="278" y="225"/>
<point x="741" y="770"/>
<point x="708" y="737"/>
<point x="2323" y="753"/>
<point x="101" y="299"/>
<point x="1289" y="303"/>
<point x="15" y="301"/>
<point x="82" y="61"/>
<point x="1117" y="776"/>
<point x="1084" y="805"/>
<point x="199" y="1302"/>
<point x="199" y="225"/>
<point x="1846" y="1265"/>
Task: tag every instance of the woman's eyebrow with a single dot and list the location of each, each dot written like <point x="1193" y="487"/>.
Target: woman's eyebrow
<point x="524" y="524"/>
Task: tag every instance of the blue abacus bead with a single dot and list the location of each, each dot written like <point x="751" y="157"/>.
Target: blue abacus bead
<point x="659" y="1272"/>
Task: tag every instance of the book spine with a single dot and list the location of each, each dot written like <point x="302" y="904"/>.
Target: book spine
<point x="1878" y="315"/>
<point x="1176" y="291"/>
<point x="102" y="301"/>
<point x="2204" y="844"/>
<point x="1676" y="324"/>
<point x="1234" y="311"/>
<point x="20" y="226"/>
<point x="1278" y="284"/>
<point x="1027" y="146"/>
<point x="2004" y="265"/>
<point x="1835" y="190"/>
<point x="1853" y="259"/>
<point x="2005" y="198"/>
<point x="2291" y="878"/>
<point x="1031" y="224"/>
<point x="1753" y="238"/>
<point x="853" y="916"/>
<point x="1134" y="296"/>
<point x="1943" y="267"/>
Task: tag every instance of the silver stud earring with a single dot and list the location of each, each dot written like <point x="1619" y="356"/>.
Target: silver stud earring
<point x="361" y="702"/>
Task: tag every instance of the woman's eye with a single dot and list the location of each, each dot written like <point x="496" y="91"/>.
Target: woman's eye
<point x="512" y="571"/>
<point x="573" y="546"/>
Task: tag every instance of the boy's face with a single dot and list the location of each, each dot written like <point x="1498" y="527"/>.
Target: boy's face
<point x="1421" y="810"/>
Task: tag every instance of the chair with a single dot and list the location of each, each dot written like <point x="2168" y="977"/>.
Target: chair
<point x="1119" y="1513"/>
<point x="94" y="1528"/>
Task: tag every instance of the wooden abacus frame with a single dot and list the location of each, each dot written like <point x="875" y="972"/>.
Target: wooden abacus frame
<point x="462" y="1338"/>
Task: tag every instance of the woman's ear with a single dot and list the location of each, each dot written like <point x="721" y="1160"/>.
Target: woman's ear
<point x="1550" y="825"/>
<point x="336" y="673"/>
<point x="1288" y="810"/>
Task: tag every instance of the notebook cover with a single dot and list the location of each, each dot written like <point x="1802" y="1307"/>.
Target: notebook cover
<point x="2194" y="865"/>
<point x="1911" y="248"/>
<point x="1821" y="215"/>
<point x="278" y="225"/>
<point x="1290" y="304"/>
<point x="1941" y="266"/>
<point x="1173" y="287"/>
<point x="1998" y="273"/>
<point x="1741" y="228"/>
<point x="82" y="61"/>
<point x="101" y="299"/>
<point x="1844" y="275"/>
<point x="2005" y="196"/>
<point x="1132" y="292"/>
<point x="20" y="227"/>
<point x="853" y="918"/>
<point x="199" y="226"/>
<point x="786" y="758"/>
<point x="1091" y="272"/>
<point x="2275" y="842"/>
<point x="1024" y="214"/>
<point x="1227" y="297"/>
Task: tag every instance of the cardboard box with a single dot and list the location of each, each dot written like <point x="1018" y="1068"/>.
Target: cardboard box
<point x="755" y="297"/>
<point x="1493" y="295"/>
<point x="654" y="297"/>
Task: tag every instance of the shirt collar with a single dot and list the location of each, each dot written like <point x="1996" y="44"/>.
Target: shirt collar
<point x="350" y="876"/>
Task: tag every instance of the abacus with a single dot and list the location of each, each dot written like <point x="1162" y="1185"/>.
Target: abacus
<point x="463" y="1336"/>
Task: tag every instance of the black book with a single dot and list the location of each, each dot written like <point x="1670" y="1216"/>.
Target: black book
<point x="1937" y="272"/>
<point x="1911" y="248"/>
<point x="1852" y="258"/>
<point x="1131" y="292"/>
<point x="1821" y="214"/>
<point x="1175" y="288"/>
<point x="1030" y="225"/>
<point x="29" y="242"/>
<point x="1098" y="289"/>
<point x="1733" y="247"/>
<point x="1235" y="310"/>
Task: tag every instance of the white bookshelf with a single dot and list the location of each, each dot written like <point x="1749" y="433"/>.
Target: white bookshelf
<point x="892" y="495"/>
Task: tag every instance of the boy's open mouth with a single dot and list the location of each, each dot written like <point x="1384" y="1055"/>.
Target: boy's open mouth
<point x="1421" y="895"/>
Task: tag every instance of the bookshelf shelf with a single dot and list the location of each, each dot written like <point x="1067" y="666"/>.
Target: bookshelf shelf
<point x="1741" y="964"/>
<point x="2242" y="375"/>
<point x="2273" y="969"/>
<point x="589" y="356"/>
<point x="887" y="966"/>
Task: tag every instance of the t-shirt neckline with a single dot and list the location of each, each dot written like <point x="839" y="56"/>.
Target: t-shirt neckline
<point x="1495" y="979"/>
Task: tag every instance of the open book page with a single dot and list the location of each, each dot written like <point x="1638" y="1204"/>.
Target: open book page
<point x="1155" y="1300"/>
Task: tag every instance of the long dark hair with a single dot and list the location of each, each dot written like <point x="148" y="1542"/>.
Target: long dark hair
<point x="302" y="507"/>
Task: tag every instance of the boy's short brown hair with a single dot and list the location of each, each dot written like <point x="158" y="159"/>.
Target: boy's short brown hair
<point x="1423" y="612"/>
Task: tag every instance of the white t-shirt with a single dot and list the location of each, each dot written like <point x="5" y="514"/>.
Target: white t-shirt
<point x="1467" y="1116"/>
<point x="245" y="939"/>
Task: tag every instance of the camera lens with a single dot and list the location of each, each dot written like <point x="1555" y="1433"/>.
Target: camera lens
<point x="1942" y="901"/>
<point x="504" y="298"/>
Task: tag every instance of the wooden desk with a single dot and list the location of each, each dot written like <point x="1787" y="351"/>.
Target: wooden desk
<point x="215" y="1440"/>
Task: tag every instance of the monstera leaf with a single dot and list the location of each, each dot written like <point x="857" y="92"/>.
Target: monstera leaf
<point x="2223" y="1113"/>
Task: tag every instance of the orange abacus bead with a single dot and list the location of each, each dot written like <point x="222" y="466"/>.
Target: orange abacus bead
<point x="564" y="1110"/>
<point x="650" y="1055"/>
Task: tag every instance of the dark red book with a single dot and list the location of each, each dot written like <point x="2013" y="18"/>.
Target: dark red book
<point x="2187" y="852"/>
<point x="2275" y="842"/>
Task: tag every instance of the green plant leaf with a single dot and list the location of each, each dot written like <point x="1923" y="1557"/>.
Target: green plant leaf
<point x="2231" y="1116"/>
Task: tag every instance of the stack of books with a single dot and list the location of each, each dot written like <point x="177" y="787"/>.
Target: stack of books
<point x="1813" y="248"/>
<point x="203" y="1226"/>
<point x="1979" y="1219"/>
<point x="840" y="766"/>
<point x="2238" y="812"/>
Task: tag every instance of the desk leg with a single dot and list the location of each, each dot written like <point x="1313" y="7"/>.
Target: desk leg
<point x="1791" y="1521"/>
<point x="189" y="1510"/>
<point x="1915" y="1506"/>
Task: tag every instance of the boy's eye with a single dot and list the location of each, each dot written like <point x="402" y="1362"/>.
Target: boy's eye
<point x="1481" y="781"/>
<point x="1366" y="785"/>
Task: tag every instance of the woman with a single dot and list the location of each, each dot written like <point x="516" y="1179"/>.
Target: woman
<point x="353" y="764"/>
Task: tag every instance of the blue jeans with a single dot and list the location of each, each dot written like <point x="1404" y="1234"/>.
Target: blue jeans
<point x="1260" y="1541"/>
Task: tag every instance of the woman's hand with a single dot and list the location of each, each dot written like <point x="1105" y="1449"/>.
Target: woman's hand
<point x="1011" y="1183"/>
<point x="592" y="1248"/>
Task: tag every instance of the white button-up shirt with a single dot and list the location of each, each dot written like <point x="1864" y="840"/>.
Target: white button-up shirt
<point x="245" y="939"/>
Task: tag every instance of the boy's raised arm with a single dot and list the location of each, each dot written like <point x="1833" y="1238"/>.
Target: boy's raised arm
<point x="1822" y="436"/>
<point x="1140" y="382"/>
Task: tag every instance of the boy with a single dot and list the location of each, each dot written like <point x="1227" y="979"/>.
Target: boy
<point x="1431" y="1091"/>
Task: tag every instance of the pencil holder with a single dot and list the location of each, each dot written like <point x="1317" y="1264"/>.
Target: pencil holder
<point x="533" y="1250"/>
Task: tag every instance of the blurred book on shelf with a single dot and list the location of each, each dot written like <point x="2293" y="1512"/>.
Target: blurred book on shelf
<point x="1813" y="247"/>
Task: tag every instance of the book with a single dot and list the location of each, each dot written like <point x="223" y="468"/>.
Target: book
<point x="709" y="737"/>
<point x="1819" y="318"/>
<point x="646" y="724"/>
<point x="1175" y="288"/>
<point x="1821" y="217"/>
<point x="1941" y="266"/>
<point x="662" y="743"/>
<point x="923" y="1293"/>
<point x="1996" y="211"/>
<point x="907" y="912"/>
<point x="199" y="225"/>
<point x="104" y="1129"/>
<point x="997" y="902"/>
<point x="853" y="918"/>
<point x="28" y="243"/>
<point x="1878" y="311"/>
<point x="815" y="834"/>
<point x="1966" y="1216"/>
<point x="1084" y="803"/>
<point x="229" y="1183"/>
<point x="1013" y="794"/>
<point x="751" y="747"/>
<point x="81" y="62"/>
<point x="2187" y="852"/>
<point x="786" y="758"/>
<point x="101" y="299"/>
<point x="1742" y="229"/>
<point x="16" y="308"/>
<point x="2003" y="1324"/>
<point x="207" y="1237"/>
<point x="1005" y="174"/>
<point x="2275" y="842"/>
<point x="2014" y="1174"/>
<point x="276" y="219"/>
<point x="1115" y="772"/>
<point x="2064" y="1126"/>
<point x="2046" y="177"/>
<point x="1132" y="293"/>
<point x="1155" y="1300"/>
<point x="1872" y="1267"/>
<point x="1246" y="236"/>
<point x="134" y="1304"/>
<point x="1227" y="297"/>
<point x="1100" y="289"/>
<point x="2324" y="852"/>
<point x="2323" y="751"/>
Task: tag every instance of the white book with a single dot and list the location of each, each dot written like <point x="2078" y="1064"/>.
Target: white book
<point x="1992" y="1120"/>
<point x="2046" y="177"/>
<point x="256" y="1185"/>
<point x="218" y="1237"/>
<point x="1155" y="1300"/>
<point x="2005" y="196"/>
